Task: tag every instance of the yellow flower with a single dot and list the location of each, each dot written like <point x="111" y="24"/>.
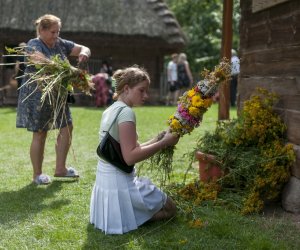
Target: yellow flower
<point x="183" y="241"/>
<point x="191" y="93"/>
<point x="197" y="223"/>
<point x="207" y="102"/>
<point x="197" y="101"/>
<point x="194" y="111"/>
<point x="175" y="124"/>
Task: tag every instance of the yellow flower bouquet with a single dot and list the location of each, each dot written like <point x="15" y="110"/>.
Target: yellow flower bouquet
<point x="190" y="109"/>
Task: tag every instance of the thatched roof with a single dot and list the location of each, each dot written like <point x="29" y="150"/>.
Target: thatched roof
<point x="147" y="18"/>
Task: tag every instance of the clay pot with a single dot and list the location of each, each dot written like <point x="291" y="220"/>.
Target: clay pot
<point x="209" y="168"/>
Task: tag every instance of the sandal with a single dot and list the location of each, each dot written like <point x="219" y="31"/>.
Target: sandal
<point x="42" y="179"/>
<point x="71" y="173"/>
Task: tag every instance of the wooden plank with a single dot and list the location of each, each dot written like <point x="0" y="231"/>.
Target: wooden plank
<point x="281" y="26"/>
<point x="288" y="106"/>
<point x="282" y="86"/>
<point x="258" y="5"/>
<point x="289" y="102"/>
<point x="276" y="61"/>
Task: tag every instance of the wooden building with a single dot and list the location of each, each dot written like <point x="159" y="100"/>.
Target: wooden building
<point x="123" y="33"/>
<point x="270" y="58"/>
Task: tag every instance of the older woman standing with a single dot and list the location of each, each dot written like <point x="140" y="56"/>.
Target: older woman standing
<point x="38" y="118"/>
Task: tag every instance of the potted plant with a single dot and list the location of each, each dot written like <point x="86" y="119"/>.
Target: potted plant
<point x="252" y="151"/>
<point x="209" y="167"/>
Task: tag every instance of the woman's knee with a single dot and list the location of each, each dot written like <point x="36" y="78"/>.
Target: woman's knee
<point x="166" y="212"/>
<point x="170" y="207"/>
<point x="66" y="131"/>
<point x="68" y="128"/>
<point x="39" y="136"/>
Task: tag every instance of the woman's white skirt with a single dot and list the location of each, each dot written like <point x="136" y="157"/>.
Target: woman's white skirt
<point x="121" y="202"/>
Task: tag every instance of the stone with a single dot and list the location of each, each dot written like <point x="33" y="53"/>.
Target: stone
<point x="291" y="196"/>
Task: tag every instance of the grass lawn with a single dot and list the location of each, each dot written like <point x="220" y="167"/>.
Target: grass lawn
<point x="57" y="216"/>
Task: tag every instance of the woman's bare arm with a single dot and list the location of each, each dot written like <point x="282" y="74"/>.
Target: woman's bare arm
<point x="81" y="51"/>
<point x="132" y="151"/>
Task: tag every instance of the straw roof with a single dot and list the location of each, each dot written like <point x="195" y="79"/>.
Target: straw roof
<point x="146" y="18"/>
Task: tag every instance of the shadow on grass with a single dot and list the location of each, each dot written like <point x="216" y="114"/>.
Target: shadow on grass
<point x="8" y="110"/>
<point x="16" y="206"/>
<point x="96" y="239"/>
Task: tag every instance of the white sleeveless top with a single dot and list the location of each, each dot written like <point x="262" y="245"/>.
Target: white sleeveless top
<point x="108" y="116"/>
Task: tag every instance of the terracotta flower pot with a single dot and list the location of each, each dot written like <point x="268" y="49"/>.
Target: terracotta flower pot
<point x="209" y="168"/>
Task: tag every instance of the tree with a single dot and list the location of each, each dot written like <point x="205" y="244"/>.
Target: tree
<point x="201" y="21"/>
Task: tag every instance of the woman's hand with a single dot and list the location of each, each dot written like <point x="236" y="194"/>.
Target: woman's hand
<point x="169" y="139"/>
<point x="82" y="52"/>
<point x="82" y="58"/>
<point x="161" y="135"/>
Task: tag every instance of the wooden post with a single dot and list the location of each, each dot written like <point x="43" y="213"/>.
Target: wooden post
<point x="224" y="91"/>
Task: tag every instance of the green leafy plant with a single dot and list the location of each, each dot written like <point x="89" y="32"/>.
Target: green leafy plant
<point x="253" y="153"/>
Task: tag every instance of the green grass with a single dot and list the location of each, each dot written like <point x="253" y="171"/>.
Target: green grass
<point x="57" y="216"/>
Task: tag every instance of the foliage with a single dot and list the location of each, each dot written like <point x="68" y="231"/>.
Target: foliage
<point x="252" y="152"/>
<point x="201" y="21"/>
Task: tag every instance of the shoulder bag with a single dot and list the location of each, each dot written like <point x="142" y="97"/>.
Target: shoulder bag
<point x="110" y="150"/>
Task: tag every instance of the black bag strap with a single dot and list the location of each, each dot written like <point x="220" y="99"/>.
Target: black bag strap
<point x="119" y="111"/>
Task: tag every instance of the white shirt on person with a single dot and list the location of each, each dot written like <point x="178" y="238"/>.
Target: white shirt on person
<point x="172" y="71"/>
<point x="126" y="115"/>
<point x="235" y="65"/>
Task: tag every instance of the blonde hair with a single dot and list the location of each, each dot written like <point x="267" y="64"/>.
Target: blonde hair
<point x="130" y="76"/>
<point x="45" y="22"/>
<point x="182" y="57"/>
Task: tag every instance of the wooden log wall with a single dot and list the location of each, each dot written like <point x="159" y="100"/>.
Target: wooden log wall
<point x="270" y="58"/>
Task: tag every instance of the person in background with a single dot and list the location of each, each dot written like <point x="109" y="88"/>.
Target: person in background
<point x="103" y="85"/>
<point x="106" y="68"/>
<point x="185" y="77"/>
<point x="235" y="70"/>
<point x="36" y="117"/>
<point x="172" y="77"/>
<point x="121" y="201"/>
<point x="102" y="89"/>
